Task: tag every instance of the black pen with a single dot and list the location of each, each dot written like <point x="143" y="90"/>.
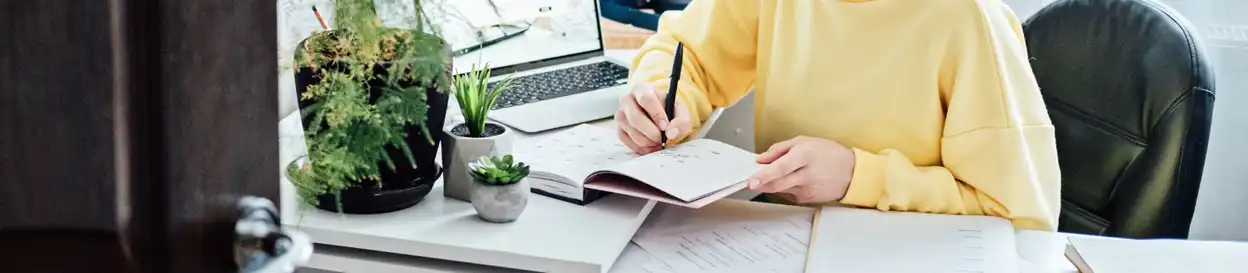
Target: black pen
<point x="670" y="104"/>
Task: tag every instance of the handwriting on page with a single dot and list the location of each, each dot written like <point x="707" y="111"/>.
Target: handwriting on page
<point x="775" y="247"/>
<point x="580" y="146"/>
<point x="683" y="153"/>
<point x="574" y="153"/>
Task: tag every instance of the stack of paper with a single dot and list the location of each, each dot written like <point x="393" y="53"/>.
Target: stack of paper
<point x="742" y="236"/>
<point x="864" y="240"/>
<point x="727" y="236"/>
<point x="1108" y="255"/>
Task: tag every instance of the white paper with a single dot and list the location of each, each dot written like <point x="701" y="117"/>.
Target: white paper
<point x="778" y="247"/>
<point x="668" y="220"/>
<point x="726" y="236"/>
<point x="637" y="260"/>
<point x="866" y="240"/>
<point x="1109" y="255"/>
<point x="693" y="169"/>
<point x="573" y="154"/>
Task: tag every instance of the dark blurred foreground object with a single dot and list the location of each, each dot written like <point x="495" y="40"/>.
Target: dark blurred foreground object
<point x="1130" y="92"/>
<point x="629" y="11"/>
<point x="130" y="130"/>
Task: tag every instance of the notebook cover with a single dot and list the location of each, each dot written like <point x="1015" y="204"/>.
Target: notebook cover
<point x="626" y="186"/>
<point x="589" y="196"/>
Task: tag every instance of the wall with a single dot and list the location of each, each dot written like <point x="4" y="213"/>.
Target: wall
<point x="1222" y="208"/>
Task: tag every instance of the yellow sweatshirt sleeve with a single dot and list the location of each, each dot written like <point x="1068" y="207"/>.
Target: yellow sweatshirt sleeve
<point x="998" y="148"/>
<point x="719" y="57"/>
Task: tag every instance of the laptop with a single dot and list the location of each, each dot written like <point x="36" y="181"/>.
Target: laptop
<point x="552" y="50"/>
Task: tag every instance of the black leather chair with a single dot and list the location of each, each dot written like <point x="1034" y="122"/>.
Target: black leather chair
<point x="1130" y="92"/>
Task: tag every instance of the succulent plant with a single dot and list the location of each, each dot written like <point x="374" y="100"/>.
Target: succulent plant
<point x="476" y="97"/>
<point x="498" y="170"/>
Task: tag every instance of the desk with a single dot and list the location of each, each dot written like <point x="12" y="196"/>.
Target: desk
<point x="1039" y="252"/>
<point x="551" y="235"/>
<point x="374" y="244"/>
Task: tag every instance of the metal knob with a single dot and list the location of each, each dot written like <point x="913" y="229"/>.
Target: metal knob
<point x="260" y="243"/>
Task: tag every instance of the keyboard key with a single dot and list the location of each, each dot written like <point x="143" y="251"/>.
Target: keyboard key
<point x="560" y="83"/>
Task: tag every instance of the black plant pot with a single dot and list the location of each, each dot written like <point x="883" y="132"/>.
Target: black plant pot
<point x="399" y="188"/>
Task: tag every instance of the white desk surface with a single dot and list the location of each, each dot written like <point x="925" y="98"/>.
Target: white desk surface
<point x="439" y="235"/>
<point x="1038" y="252"/>
<point x="551" y="235"/>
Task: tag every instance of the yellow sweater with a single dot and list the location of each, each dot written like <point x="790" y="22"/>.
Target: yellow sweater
<point x="935" y="97"/>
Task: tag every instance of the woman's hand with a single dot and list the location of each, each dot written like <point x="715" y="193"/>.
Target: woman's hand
<point x="642" y="119"/>
<point x="805" y="170"/>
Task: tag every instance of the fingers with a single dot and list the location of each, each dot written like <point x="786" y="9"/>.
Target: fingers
<point x="776" y="151"/>
<point x="643" y="130"/>
<point x="652" y="104"/>
<point x="797" y="195"/>
<point x="631" y="137"/>
<point x="624" y="138"/>
<point x="681" y="124"/>
<point x="785" y="183"/>
<point x="775" y="170"/>
<point x="641" y="125"/>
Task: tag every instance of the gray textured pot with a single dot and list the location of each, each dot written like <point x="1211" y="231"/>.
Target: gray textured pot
<point x="458" y="151"/>
<point x="500" y="204"/>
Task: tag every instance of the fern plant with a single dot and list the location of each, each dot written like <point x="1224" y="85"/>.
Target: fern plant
<point x="372" y="86"/>
<point x="476" y="97"/>
<point x="498" y="170"/>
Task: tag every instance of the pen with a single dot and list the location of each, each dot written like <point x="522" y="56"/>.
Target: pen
<point x="669" y="106"/>
<point x="319" y="19"/>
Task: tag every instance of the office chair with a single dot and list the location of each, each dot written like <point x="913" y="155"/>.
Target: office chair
<point x="1130" y="92"/>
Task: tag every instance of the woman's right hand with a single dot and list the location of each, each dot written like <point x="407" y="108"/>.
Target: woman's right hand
<point x="642" y="119"/>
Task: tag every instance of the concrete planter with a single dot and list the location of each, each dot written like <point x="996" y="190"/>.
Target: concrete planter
<point x="500" y="203"/>
<point x="458" y="150"/>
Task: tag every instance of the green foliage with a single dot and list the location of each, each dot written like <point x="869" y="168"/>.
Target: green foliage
<point x="498" y="170"/>
<point x="475" y="97"/>
<point x="349" y="127"/>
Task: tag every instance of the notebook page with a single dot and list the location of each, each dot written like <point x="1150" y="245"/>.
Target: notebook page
<point x="573" y="154"/>
<point x="867" y="240"/>
<point x="1106" y="255"/>
<point x="692" y="170"/>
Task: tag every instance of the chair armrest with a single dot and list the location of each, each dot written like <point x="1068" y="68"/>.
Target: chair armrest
<point x="710" y="121"/>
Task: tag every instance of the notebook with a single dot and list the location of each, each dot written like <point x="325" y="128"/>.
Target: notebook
<point x="855" y="240"/>
<point x="1111" y="255"/>
<point x="584" y="163"/>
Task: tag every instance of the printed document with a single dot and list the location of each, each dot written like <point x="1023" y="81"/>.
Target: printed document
<point x="726" y="236"/>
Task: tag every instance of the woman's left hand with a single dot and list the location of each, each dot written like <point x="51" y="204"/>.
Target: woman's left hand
<point x="805" y="170"/>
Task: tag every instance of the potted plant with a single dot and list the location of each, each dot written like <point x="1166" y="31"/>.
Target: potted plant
<point x="476" y="136"/>
<point x="499" y="188"/>
<point x="368" y="95"/>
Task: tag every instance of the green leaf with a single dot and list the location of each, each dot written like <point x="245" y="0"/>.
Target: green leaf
<point x="389" y="162"/>
<point x="407" y="151"/>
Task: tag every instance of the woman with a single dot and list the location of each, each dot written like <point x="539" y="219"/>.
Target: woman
<point x="925" y="106"/>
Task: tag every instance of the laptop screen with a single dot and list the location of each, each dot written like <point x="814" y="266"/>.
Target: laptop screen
<point x="503" y="33"/>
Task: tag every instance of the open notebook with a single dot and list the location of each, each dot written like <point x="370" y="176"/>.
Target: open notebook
<point x="585" y="162"/>
<point x="866" y="240"/>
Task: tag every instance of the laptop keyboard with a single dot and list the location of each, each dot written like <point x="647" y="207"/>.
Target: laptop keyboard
<point x="560" y="83"/>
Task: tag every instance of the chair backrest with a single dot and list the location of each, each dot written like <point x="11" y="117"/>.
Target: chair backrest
<point x="1131" y="95"/>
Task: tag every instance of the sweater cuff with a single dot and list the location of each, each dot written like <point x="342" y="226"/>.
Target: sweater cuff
<point x="866" y="187"/>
